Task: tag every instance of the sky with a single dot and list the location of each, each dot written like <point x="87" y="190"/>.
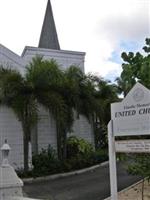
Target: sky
<point x="101" y="28"/>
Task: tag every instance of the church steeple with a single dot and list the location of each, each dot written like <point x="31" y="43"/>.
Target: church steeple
<point x="48" y="38"/>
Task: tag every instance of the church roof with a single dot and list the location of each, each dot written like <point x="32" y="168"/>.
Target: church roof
<point x="49" y="38"/>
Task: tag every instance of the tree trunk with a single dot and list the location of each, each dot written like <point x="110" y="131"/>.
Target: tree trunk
<point x="26" y="153"/>
<point x="26" y="139"/>
<point x="93" y="128"/>
<point x="64" y="150"/>
<point x="34" y="140"/>
<point x="96" y="132"/>
<point x="59" y="144"/>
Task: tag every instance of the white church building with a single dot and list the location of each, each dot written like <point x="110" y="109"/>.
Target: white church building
<point x="45" y="131"/>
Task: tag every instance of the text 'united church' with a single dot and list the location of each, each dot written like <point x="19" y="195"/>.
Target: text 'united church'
<point x="144" y="109"/>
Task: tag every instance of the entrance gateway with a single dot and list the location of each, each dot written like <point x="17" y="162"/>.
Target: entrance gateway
<point x="130" y="117"/>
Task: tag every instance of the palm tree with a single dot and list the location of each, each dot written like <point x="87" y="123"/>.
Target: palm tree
<point x="64" y="93"/>
<point x="106" y="94"/>
<point x="68" y="94"/>
<point x="47" y="81"/>
<point x="82" y="90"/>
<point x="16" y="93"/>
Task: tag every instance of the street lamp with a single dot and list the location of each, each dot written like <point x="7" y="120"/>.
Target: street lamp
<point x="5" y="153"/>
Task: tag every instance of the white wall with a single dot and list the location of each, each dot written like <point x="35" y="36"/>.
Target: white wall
<point x="10" y="129"/>
<point x="11" y="60"/>
<point x="46" y="130"/>
<point x="64" y="58"/>
<point x="83" y="129"/>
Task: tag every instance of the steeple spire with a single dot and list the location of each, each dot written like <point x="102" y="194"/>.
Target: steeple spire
<point x="48" y="38"/>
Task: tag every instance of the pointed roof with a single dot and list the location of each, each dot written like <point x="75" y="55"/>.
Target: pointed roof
<point x="48" y="38"/>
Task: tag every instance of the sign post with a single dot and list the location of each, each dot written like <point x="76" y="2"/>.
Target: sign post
<point x="131" y="117"/>
<point x="112" y="162"/>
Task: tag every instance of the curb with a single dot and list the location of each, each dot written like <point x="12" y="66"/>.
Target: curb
<point x="61" y="175"/>
<point x="19" y="198"/>
<point x="127" y="188"/>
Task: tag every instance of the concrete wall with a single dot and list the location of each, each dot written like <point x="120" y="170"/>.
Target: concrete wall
<point x="64" y="58"/>
<point x="11" y="60"/>
<point x="10" y="129"/>
<point x="83" y="129"/>
<point x="46" y="130"/>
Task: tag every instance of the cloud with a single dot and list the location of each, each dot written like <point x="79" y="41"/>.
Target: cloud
<point x="129" y="22"/>
<point x="123" y="27"/>
<point x="131" y="28"/>
<point x="102" y="67"/>
<point x="101" y="28"/>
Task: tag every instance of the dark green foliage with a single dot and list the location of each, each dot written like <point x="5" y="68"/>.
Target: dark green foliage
<point x="68" y="94"/>
<point x="105" y="94"/>
<point x="140" y="165"/>
<point x="77" y="147"/>
<point x="46" y="162"/>
<point x="80" y="155"/>
<point x="100" y="155"/>
<point x="17" y="93"/>
<point x="65" y="94"/>
<point x="48" y="80"/>
<point x="101" y="136"/>
<point x="136" y="67"/>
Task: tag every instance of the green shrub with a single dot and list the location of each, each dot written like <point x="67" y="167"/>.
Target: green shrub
<point x="78" y="147"/>
<point x="80" y="154"/>
<point x="139" y="165"/>
<point x="46" y="162"/>
<point x="100" y="155"/>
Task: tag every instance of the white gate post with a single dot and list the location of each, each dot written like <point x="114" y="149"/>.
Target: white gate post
<point x="112" y="162"/>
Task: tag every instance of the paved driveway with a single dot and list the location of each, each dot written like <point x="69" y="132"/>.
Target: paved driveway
<point x="93" y="185"/>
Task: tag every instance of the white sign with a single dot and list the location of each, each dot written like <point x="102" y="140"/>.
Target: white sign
<point x="132" y="146"/>
<point x="128" y="127"/>
<point x="132" y="115"/>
